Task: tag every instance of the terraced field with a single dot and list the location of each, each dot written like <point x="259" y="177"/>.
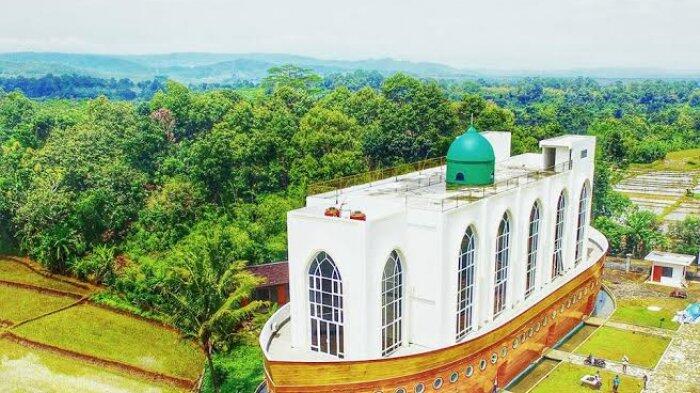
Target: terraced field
<point x="53" y="339"/>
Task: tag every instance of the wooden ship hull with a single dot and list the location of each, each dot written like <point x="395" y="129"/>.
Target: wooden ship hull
<point x="470" y="366"/>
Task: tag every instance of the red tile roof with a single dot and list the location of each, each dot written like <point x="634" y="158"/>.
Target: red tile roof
<point x="275" y="273"/>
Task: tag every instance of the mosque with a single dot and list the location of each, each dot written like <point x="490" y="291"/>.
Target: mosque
<point x="451" y="278"/>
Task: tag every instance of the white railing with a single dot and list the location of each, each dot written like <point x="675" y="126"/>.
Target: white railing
<point x="273" y="325"/>
<point x="598" y="239"/>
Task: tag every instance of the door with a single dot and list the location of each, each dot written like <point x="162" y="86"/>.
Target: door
<point x="656" y="273"/>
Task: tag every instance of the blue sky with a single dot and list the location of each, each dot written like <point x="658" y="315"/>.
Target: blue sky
<point x="497" y="34"/>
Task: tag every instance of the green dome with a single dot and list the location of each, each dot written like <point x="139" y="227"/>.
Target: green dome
<point x="471" y="147"/>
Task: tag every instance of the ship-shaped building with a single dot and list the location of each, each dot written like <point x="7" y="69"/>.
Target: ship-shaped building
<point x="454" y="277"/>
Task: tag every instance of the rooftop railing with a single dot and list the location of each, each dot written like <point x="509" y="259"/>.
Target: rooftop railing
<point x="373" y="176"/>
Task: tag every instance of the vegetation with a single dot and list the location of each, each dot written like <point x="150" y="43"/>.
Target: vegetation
<point x="17" y="304"/>
<point x="165" y="199"/>
<point x="565" y="378"/>
<point x="642" y="349"/>
<point x="28" y="370"/>
<point x="635" y="311"/>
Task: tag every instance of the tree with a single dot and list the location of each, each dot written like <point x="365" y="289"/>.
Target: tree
<point x="686" y="235"/>
<point x="207" y="291"/>
<point x="642" y="233"/>
<point x="291" y="76"/>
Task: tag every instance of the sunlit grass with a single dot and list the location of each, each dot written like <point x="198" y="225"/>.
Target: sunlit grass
<point x="635" y="311"/>
<point x="17" y="272"/>
<point x="682" y="160"/>
<point x="612" y="344"/>
<point x="18" y="304"/>
<point x="566" y="378"/>
<point x="24" y="370"/>
<point x="108" y="335"/>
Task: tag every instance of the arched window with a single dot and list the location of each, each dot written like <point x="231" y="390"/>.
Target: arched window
<point x="582" y="223"/>
<point x="465" y="283"/>
<point x="533" y="241"/>
<point x="558" y="255"/>
<point x="501" y="274"/>
<point x="460" y="176"/>
<point x="326" y="306"/>
<point x="392" y="302"/>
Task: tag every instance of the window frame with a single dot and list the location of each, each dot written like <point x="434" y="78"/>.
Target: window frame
<point x="393" y="287"/>
<point x="326" y="312"/>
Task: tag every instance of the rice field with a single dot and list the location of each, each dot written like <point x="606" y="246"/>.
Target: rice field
<point x="68" y="345"/>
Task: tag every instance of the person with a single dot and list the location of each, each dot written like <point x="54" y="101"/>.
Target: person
<point x="645" y="379"/>
<point x="598" y="381"/>
<point x="616" y="383"/>
<point x="495" y="385"/>
<point x="625" y="362"/>
<point x="589" y="359"/>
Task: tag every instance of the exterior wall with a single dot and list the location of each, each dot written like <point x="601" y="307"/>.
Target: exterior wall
<point x="675" y="280"/>
<point x="515" y="344"/>
<point x="500" y="141"/>
<point x="428" y="243"/>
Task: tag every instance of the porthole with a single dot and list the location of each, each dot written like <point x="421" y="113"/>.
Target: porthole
<point x="437" y="384"/>
<point x="454" y="377"/>
<point x="561" y="308"/>
<point x="494" y="358"/>
<point x="400" y="390"/>
<point x="530" y="332"/>
<point x="482" y="364"/>
<point x="516" y="342"/>
<point x="504" y="351"/>
<point x="554" y="314"/>
<point x="545" y="320"/>
<point x="469" y="371"/>
<point x="538" y="326"/>
<point x="579" y="296"/>
<point x="420" y="388"/>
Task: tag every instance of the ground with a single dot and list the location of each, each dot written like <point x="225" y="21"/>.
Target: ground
<point x="53" y="339"/>
<point x="565" y="378"/>
<point x="641" y="349"/>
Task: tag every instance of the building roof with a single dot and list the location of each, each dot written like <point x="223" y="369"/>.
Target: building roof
<point x="471" y="147"/>
<point x="275" y="273"/>
<point x="670" y="258"/>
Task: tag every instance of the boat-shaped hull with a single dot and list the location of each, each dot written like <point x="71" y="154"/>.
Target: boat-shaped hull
<point x="470" y="366"/>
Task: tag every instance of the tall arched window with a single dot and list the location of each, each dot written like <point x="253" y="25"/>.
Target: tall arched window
<point x="533" y="241"/>
<point x="392" y="302"/>
<point x="558" y="255"/>
<point x="582" y="223"/>
<point x="501" y="274"/>
<point x="465" y="283"/>
<point x="326" y="306"/>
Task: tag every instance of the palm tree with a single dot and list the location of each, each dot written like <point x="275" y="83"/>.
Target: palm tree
<point x="208" y="298"/>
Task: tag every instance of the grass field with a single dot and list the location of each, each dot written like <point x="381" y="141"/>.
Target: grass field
<point x="682" y="160"/>
<point x="17" y="272"/>
<point x="94" y="331"/>
<point x="635" y="311"/>
<point x="612" y="344"/>
<point x="577" y="338"/>
<point x="17" y="304"/>
<point x="523" y="385"/>
<point x="24" y="370"/>
<point x="565" y="379"/>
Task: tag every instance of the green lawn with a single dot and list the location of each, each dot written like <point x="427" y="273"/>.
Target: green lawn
<point x="612" y="344"/>
<point x="566" y="379"/>
<point x="682" y="160"/>
<point x="524" y="384"/>
<point x="101" y="333"/>
<point x="577" y="338"/>
<point x="636" y="312"/>
<point x="16" y="272"/>
<point x="17" y="304"/>
<point x="24" y="370"/>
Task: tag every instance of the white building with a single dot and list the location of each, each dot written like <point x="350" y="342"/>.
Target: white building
<point x="668" y="268"/>
<point x="436" y="261"/>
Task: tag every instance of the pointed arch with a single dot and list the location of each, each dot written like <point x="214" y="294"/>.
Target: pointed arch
<point x="533" y="244"/>
<point x="392" y="304"/>
<point x="502" y="261"/>
<point x="559" y="228"/>
<point x="326" y="306"/>
<point x="583" y="206"/>
<point x="465" y="283"/>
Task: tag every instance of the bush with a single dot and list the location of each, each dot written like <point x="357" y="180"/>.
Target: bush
<point x="97" y="267"/>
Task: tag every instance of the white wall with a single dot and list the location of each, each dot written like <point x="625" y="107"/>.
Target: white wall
<point x="428" y="243"/>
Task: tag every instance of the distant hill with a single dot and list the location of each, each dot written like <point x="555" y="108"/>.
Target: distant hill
<point x="222" y="68"/>
<point x="199" y="67"/>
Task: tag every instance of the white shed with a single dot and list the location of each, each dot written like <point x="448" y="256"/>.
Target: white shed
<point x="668" y="268"/>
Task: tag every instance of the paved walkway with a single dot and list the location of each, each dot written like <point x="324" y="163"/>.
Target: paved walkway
<point x="615" y="367"/>
<point x="677" y="371"/>
<point x="642" y="329"/>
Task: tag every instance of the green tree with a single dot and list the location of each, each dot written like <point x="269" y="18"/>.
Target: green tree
<point x="686" y="235"/>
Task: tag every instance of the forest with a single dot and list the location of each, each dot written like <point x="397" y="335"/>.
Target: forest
<point x="165" y="193"/>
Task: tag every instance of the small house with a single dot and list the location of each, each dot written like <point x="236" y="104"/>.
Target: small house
<point x="668" y="268"/>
